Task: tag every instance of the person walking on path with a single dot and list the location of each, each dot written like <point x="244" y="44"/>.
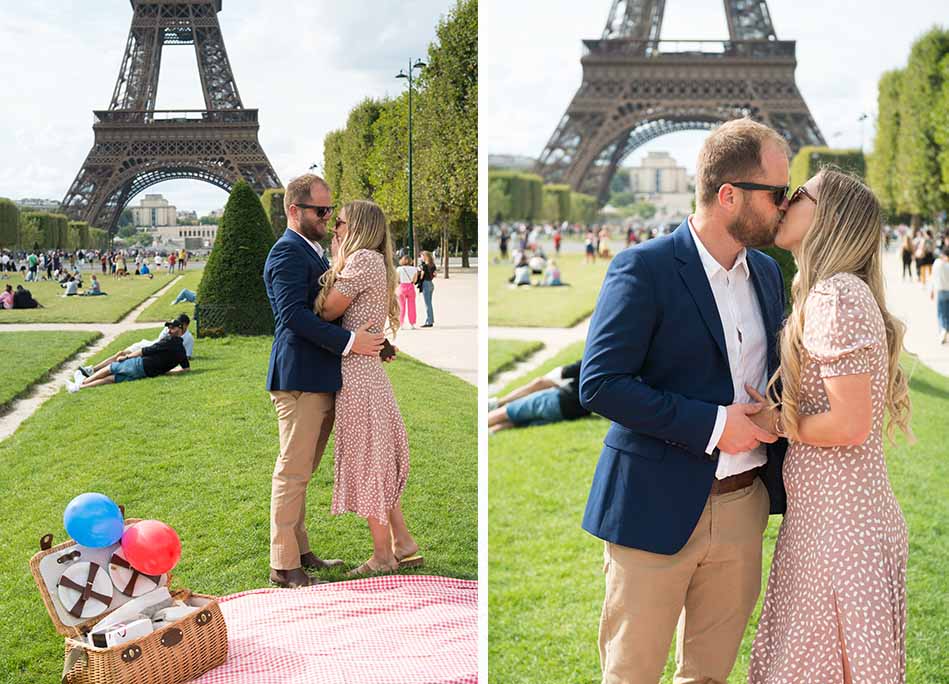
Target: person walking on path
<point x="408" y="276"/>
<point x="906" y="253"/>
<point x="427" y="286"/>
<point x="304" y="373"/>
<point x="940" y="292"/>
<point x="371" y="446"/>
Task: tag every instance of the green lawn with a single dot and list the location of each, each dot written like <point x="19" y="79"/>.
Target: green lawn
<point x="546" y="581"/>
<point x="123" y="296"/>
<point x="545" y="307"/>
<point x="505" y="354"/>
<point x="197" y="451"/>
<point x="161" y="309"/>
<point x="33" y="356"/>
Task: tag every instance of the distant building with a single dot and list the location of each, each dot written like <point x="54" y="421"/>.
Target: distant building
<point x="154" y="211"/>
<point x="512" y="162"/>
<point x="187" y="215"/>
<point x="216" y="213"/>
<point x="175" y="236"/>
<point x="660" y="181"/>
<point x="34" y="204"/>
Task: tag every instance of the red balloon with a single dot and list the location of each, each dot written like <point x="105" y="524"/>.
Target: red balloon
<point x="151" y="547"/>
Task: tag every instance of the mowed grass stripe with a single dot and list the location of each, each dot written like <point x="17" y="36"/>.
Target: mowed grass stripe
<point x="32" y="356"/>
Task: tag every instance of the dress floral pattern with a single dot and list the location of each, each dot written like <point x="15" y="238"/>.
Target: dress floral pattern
<point x="371" y="450"/>
<point x="838" y="579"/>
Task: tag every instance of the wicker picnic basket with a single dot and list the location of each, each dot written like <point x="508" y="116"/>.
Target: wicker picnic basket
<point x="177" y="653"/>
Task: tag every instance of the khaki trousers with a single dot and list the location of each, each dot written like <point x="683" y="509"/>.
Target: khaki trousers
<point x="709" y="587"/>
<point x="305" y="420"/>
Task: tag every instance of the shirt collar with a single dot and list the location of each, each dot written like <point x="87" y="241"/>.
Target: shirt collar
<point x="710" y="264"/>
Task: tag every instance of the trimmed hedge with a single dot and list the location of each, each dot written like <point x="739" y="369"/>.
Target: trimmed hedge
<point x="231" y="295"/>
<point x="82" y="236"/>
<point x="49" y="231"/>
<point x="272" y="199"/>
<point x="526" y="193"/>
<point x="809" y="160"/>
<point x="556" y="203"/>
<point x="583" y="208"/>
<point x="9" y="223"/>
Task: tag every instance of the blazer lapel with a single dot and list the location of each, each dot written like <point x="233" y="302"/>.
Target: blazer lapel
<point x="696" y="281"/>
<point x="291" y="234"/>
<point x="766" y="302"/>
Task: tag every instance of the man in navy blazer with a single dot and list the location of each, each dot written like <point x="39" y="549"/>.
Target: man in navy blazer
<point x="687" y="478"/>
<point x="304" y="373"/>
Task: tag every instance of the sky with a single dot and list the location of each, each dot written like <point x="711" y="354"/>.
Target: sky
<point x="843" y="46"/>
<point x="304" y="65"/>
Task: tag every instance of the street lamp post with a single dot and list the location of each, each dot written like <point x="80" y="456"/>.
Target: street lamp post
<point x="419" y="64"/>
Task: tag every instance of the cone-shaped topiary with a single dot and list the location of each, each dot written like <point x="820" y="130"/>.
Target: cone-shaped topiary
<point x="231" y="297"/>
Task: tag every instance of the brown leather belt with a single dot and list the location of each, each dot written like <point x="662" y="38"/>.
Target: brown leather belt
<point x="735" y="482"/>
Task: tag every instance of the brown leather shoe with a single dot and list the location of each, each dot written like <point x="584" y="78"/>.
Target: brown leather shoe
<point x="311" y="561"/>
<point x="291" y="579"/>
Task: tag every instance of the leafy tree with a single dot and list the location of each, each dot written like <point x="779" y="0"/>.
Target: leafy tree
<point x="355" y="147"/>
<point x="126" y="218"/>
<point x="941" y="123"/>
<point x="623" y="198"/>
<point x="126" y="231"/>
<point x="272" y="199"/>
<point x="882" y="163"/>
<point x="917" y="161"/>
<point x="388" y="161"/>
<point x="620" y="182"/>
<point x="231" y="296"/>
<point x="333" y="162"/>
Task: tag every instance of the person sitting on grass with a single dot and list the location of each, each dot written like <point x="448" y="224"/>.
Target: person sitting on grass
<point x="23" y="299"/>
<point x="95" y="288"/>
<point x="165" y="356"/>
<point x="185" y="295"/>
<point x="6" y="299"/>
<point x="522" y="273"/>
<point x="548" y="399"/>
<point x="72" y="287"/>
<point x="145" y="271"/>
<point x="187" y="339"/>
<point x="552" y="275"/>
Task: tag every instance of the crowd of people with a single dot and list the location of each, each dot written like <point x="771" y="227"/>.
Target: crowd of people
<point x="35" y="265"/>
<point x="925" y="253"/>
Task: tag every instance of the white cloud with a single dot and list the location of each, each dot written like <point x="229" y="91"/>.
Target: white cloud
<point x="304" y="65"/>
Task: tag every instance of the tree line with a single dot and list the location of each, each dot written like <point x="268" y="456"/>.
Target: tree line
<point x="368" y="159"/>
<point x="909" y="167"/>
<point x="519" y="196"/>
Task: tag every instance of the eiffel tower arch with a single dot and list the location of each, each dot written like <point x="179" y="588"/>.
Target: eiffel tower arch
<point x="137" y="146"/>
<point x="636" y="88"/>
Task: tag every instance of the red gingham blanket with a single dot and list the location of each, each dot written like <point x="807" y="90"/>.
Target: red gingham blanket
<point x="393" y="629"/>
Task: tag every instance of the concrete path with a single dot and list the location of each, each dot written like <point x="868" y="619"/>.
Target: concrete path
<point x="554" y="339"/>
<point x="452" y="344"/>
<point x="26" y="406"/>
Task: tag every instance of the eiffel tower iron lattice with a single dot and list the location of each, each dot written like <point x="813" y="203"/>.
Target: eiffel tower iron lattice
<point x="137" y="146"/>
<point x="637" y="87"/>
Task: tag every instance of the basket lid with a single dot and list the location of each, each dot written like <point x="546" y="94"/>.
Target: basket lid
<point x="85" y="585"/>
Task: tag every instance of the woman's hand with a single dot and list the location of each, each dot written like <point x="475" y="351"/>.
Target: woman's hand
<point x="767" y="418"/>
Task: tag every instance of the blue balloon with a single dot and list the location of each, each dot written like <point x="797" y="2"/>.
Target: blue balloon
<point x="93" y="520"/>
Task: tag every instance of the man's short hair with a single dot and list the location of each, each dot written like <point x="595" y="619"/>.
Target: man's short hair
<point x="732" y="153"/>
<point x="298" y="190"/>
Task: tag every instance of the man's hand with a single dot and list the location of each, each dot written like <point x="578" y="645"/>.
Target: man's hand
<point x="367" y="343"/>
<point x="741" y="433"/>
<point x="767" y="417"/>
<point x="395" y="352"/>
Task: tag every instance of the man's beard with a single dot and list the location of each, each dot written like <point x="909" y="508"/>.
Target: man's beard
<point x="313" y="229"/>
<point x="753" y="231"/>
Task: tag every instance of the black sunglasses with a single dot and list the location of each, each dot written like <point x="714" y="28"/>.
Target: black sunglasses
<point x="321" y="212"/>
<point x="799" y="193"/>
<point x="778" y="192"/>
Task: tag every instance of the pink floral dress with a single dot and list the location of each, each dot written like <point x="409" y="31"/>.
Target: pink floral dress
<point x="371" y="450"/>
<point x="838" y="579"/>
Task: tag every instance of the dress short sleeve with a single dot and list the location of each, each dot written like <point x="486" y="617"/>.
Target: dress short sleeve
<point x="358" y="272"/>
<point x="839" y="326"/>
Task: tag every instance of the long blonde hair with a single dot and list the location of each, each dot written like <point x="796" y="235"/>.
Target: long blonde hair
<point x="368" y="229"/>
<point x="846" y="236"/>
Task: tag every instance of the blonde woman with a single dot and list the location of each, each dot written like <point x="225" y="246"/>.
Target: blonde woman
<point x="835" y="608"/>
<point x="371" y="447"/>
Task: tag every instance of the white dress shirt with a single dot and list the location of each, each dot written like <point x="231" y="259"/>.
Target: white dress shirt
<point x="746" y="343"/>
<point x="318" y="248"/>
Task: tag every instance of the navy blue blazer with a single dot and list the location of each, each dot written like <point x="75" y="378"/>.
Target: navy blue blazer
<point x="656" y="365"/>
<point x="306" y="350"/>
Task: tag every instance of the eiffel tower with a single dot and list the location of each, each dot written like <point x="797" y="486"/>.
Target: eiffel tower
<point x="137" y="146"/>
<point x="636" y="88"/>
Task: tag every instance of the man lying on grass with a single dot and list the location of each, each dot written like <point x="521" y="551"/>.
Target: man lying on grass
<point x="548" y="399"/>
<point x="165" y="356"/>
<point x="187" y="339"/>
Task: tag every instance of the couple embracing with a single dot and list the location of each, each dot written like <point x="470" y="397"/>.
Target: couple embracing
<point x="326" y="371"/>
<point x="723" y="412"/>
